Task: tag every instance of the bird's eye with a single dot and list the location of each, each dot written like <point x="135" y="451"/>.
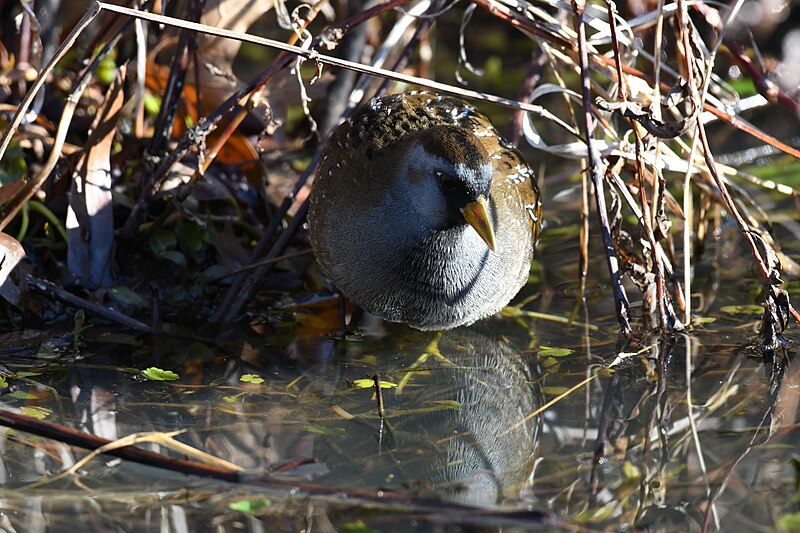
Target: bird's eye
<point x="445" y="180"/>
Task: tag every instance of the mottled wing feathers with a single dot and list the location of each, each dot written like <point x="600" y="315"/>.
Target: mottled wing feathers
<point x="511" y="171"/>
<point x="385" y="121"/>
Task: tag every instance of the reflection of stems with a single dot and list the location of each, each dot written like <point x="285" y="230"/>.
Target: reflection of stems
<point x="378" y="395"/>
<point x="390" y="440"/>
<point x="587" y="342"/>
<point x="712" y="498"/>
<point x="515" y="311"/>
<point x="552" y="402"/>
<point x="777" y="370"/>
<point x="689" y="412"/>
<point x="388" y="500"/>
<point x="657" y="419"/>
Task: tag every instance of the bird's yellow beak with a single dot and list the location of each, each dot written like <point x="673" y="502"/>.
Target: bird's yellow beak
<point x="477" y="215"/>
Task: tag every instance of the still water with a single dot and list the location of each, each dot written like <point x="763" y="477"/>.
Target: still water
<point x="536" y="422"/>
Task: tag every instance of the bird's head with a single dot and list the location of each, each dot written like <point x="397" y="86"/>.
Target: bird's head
<point x="451" y="173"/>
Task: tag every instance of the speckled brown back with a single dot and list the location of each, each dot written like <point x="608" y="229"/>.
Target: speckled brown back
<point x="384" y="121"/>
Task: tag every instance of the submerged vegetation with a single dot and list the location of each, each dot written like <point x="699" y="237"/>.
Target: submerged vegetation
<point x="160" y="302"/>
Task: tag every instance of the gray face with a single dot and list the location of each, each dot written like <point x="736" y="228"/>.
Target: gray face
<point x="460" y="166"/>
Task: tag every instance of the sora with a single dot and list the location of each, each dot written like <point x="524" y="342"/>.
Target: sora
<point x="422" y="214"/>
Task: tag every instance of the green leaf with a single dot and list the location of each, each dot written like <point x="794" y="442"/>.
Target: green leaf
<point x="630" y="471"/>
<point x="22" y="395"/>
<point x="549" y="362"/>
<point x="107" y="69"/>
<point x="191" y="236"/>
<point x="35" y="411"/>
<point x="125" y="295"/>
<point x="357" y="527"/>
<point x="213" y="272"/>
<point x="322" y="430"/>
<point x="550" y="351"/>
<point x="597" y="514"/>
<point x="162" y="241"/>
<point x="14" y="165"/>
<point x="742" y="309"/>
<point x="174" y="256"/>
<point x="79" y="320"/>
<point x="369" y="383"/>
<point x="26" y="374"/>
<point x="3" y="383"/>
<point x="554" y="391"/>
<point x="447" y="404"/>
<point x="744" y="86"/>
<point x="152" y="104"/>
<point x="156" y="374"/>
<point x="119" y="338"/>
<point x="789" y="523"/>
<point x="367" y="360"/>
<point x="251" y="378"/>
<point x="250" y="506"/>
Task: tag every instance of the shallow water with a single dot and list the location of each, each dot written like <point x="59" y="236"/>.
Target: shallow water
<point x="515" y="413"/>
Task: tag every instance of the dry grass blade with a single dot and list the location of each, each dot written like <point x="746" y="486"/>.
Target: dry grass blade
<point x="313" y="55"/>
<point x="73" y="36"/>
<point x="164" y="439"/>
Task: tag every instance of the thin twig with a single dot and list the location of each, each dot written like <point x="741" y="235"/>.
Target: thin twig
<point x="313" y="55"/>
<point x="596" y="176"/>
<point x="54" y="291"/>
<point x="23" y="107"/>
<point x="13" y="206"/>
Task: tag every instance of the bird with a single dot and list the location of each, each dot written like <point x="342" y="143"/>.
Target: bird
<point x="420" y="212"/>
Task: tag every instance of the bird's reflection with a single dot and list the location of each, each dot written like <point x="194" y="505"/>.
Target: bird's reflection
<point x="456" y="429"/>
<point x="458" y="421"/>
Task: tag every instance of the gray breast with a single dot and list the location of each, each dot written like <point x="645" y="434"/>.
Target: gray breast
<point x="439" y="280"/>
